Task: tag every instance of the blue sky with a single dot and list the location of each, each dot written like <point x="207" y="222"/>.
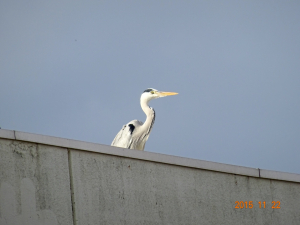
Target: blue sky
<point x="76" y="69"/>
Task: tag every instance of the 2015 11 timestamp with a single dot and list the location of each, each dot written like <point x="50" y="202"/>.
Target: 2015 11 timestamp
<point x="249" y="205"/>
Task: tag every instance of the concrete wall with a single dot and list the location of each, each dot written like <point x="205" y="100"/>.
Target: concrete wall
<point x="48" y="180"/>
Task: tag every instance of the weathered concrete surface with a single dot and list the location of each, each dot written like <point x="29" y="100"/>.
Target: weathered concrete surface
<point x="121" y="186"/>
<point x="116" y="190"/>
<point x="34" y="184"/>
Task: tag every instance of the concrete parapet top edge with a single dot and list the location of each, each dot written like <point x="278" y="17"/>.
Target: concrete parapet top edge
<point x="148" y="156"/>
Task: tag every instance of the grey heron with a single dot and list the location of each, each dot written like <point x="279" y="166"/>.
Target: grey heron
<point x="134" y="134"/>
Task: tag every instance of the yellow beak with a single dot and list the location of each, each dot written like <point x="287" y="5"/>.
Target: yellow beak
<point x="163" y="94"/>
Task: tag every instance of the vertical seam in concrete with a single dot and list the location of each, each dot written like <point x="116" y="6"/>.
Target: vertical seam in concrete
<point x="15" y="135"/>
<point x="258" y="172"/>
<point x="72" y="187"/>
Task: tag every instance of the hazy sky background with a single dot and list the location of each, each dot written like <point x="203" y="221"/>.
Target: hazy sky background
<point x="76" y="69"/>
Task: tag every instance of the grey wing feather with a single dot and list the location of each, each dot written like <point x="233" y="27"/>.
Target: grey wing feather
<point x="124" y="138"/>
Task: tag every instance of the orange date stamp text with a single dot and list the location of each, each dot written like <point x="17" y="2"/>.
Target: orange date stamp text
<point x="250" y="205"/>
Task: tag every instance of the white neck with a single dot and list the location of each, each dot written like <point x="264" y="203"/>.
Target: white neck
<point x="150" y="115"/>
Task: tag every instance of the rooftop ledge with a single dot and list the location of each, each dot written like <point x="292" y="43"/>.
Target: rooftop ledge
<point x="148" y="156"/>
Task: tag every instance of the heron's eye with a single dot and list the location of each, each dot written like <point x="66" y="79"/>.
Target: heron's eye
<point x="152" y="92"/>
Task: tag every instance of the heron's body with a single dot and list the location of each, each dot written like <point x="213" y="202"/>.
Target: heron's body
<point x="134" y="134"/>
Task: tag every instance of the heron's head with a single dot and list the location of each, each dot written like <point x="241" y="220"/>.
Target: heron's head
<point x="152" y="93"/>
